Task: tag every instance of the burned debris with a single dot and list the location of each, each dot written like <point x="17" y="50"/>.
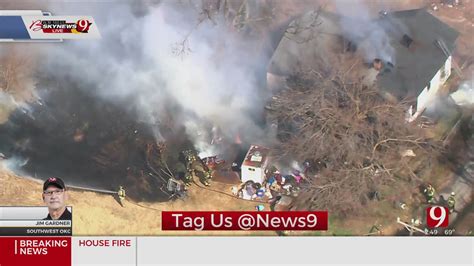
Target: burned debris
<point x="406" y="41"/>
<point x="381" y="66"/>
<point x="89" y="142"/>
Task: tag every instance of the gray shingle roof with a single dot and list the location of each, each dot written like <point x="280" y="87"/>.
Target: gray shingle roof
<point x="413" y="66"/>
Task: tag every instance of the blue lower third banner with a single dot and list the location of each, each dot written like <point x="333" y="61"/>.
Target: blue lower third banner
<point x="12" y="27"/>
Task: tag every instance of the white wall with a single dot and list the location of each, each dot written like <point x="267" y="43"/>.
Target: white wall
<point x="447" y="69"/>
<point x="256" y="175"/>
<point x="427" y="95"/>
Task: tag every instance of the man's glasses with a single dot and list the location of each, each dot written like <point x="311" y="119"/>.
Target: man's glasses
<point x="52" y="192"/>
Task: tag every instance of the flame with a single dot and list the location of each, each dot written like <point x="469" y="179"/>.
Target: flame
<point x="237" y="139"/>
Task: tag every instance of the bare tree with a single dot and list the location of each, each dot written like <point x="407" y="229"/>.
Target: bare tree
<point x="237" y="16"/>
<point x="16" y="72"/>
<point x="356" y="141"/>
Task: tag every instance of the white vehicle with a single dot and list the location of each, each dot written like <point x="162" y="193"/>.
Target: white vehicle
<point x="255" y="163"/>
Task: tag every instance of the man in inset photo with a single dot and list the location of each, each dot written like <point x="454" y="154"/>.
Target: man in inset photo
<point x="55" y="196"/>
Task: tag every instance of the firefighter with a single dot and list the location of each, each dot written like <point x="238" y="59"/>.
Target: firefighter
<point x="194" y="168"/>
<point x="121" y="195"/>
<point x="189" y="157"/>
<point x="205" y="178"/>
<point x="429" y="193"/>
<point x="188" y="177"/>
<point x="451" y="202"/>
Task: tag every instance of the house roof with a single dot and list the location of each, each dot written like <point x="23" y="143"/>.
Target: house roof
<point x="413" y="66"/>
<point x="304" y="39"/>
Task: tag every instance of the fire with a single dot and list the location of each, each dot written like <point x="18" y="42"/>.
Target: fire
<point x="237" y="139"/>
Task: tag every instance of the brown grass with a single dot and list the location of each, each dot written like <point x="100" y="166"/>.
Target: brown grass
<point x="99" y="214"/>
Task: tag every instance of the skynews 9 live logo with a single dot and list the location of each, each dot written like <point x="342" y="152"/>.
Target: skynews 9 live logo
<point x="437" y="216"/>
<point x="61" y="26"/>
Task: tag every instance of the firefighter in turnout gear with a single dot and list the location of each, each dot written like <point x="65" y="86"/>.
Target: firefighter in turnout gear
<point x="429" y="193"/>
<point x="195" y="167"/>
<point x="121" y="195"/>
<point x="451" y="202"/>
<point x="205" y="177"/>
<point x="190" y="159"/>
<point x="188" y="179"/>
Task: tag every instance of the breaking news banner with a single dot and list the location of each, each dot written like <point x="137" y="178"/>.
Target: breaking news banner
<point x="31" y="25"/>
<point x="32" y="221"/>
<point x="37" y="251"/>
<point x="239" y="220"/>
<point x="225" y="250"/>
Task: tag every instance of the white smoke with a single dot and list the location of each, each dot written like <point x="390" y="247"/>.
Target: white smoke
<point x="213" y="83"/>
<point x="14" y="164"/>
<point x="7" y="104"/>
<point x="360" y="25"/>
<point x="464" y="96"/>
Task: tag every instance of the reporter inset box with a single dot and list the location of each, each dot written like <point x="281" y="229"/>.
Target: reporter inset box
<point x="30" y="221"/>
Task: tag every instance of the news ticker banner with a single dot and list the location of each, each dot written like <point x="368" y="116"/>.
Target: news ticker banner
<point x="30" y="221"/>
<point x="65" y="250"/>
<point x="36" y="25"/>
<point x="77" y="251"/>
<point x="235" y="220"/>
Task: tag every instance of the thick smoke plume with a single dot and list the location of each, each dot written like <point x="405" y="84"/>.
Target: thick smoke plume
<point x="359" y="24"/>
<point x="169" y="58"/>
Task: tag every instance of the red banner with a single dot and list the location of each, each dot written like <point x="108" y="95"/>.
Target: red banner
<point x="262" y="221"/>
<point x="37" y="251"/>
<point x="57" y="30"/>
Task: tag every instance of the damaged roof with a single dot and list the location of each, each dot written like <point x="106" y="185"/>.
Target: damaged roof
<point x="412" y="35"/>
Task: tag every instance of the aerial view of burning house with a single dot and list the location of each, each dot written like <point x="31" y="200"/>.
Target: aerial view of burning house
<point x="409" y="52"/>
<point x="246" y="105"/>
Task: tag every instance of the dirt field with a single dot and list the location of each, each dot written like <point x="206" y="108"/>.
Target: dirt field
<point x="101" y="214"/>
<point x="460" y="18"/>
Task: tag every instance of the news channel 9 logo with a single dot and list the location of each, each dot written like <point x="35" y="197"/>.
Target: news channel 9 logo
<point x="437" y="217"/>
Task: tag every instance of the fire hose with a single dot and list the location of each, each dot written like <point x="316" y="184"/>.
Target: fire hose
<point x="96" y="190"/>
<point x="35" y="179"/>
<point x="110" y="192"/>
<point x="143" y="206"/>
<point x="113" y="193"/>
<point x="92" y="189"/>
<point x="147" y="207"/>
